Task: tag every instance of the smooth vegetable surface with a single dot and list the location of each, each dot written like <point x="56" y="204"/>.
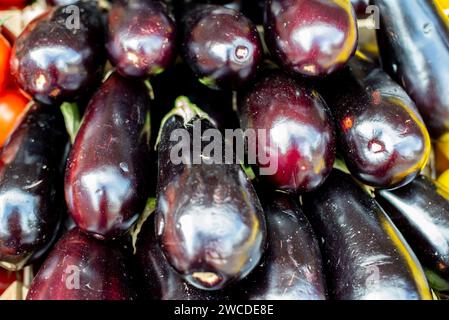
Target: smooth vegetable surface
<point x="31" y="201"/>
<point x="310" y="37"/>
<point x="414" y="43"/>
<point x="60" y="55"/>
<point x="209" y="220"/>
<point x="299" y="132"/>
<point x="5" y="53"/>
<point x="141" y="37"/>
<point x="161" y="281"/>
<point x="383" y="139"/>
<point x="421" y="213"/>
<point x="366" y="257"/>
<point x="221" y="46"/>
<point x="83" y="268"/>
<point x="107" y="171"/>
<point x="291" y="268"/>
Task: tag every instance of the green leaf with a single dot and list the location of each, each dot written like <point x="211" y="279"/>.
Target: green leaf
<point x="72" y="119"/>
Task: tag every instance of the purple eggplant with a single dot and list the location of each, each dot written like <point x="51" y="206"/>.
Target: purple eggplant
<point x="106" y="178"/>
<point x="60" y="55"/>
<point x="298" y="144"/>
<point x="383" y="139"/>
<point x="83" y="268"/>
<point x="31" y="179"/>
<point x="311" y="37"/>
<point x="414" y="45"/>
<point x="421" y="213"/>
<point x="209" y="220"/>
<point x="161" y="281"/>
<point x="291" y="268"/>
<point x="141" y="37"/>
<point x="365" y="255"/>
<point x="221" y="46"/>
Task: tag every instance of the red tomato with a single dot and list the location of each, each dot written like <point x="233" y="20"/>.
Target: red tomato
<point x="6" y="278"/>
<point x="6" y="4"/>
<point x="5" y="53"/>
<point x="12" y="107"/>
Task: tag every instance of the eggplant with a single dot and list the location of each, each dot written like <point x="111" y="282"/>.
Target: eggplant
<point x="382" y="137"/>
<point x="421" y="213"/>
<point x="31" y="178"/>
<point x="106" y="182"/>
<point x="310" y="37"/>
<point x="161" y="281"/>
<point x="365" y="255"/>
<point x="414" y="43"/>
<point x="84" y="268"/>
<point x="221" y="46"/>
<point x="60" y="55"/>
<point x="360" y="7"/>
<point x="291" y="268"/>
<point x="297" y="148"/>
<point x="141" y="37"/>
<point x="209" y="220"/>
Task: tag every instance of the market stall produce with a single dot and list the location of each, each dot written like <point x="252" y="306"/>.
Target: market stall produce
<point x="224" y="150"/>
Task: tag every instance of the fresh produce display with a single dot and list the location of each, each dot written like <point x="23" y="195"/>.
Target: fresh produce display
<point x="55" y="61"/>
<point x="421" y="213"/>
<point x="291" y="268"/>
<point x="311" y="37"/>
<point x="366" y="257"/>
<point x="141" y="37"/>
<point x="383" y="139"/>
<point x="31" y="176"/>
<point x="107" y="160"/>
<point x="300" y="135"/>
<point x="80" y="267"/>
<point x="224" y="150"/>
<point x="220" y="45"/>
<point x="413" y="41"/>
<point x="209" y="220"/>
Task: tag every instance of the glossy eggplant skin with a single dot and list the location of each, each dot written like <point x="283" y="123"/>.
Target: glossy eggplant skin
<point x="161" y="281"/>
<point x="107" y="171"/>
<point x="31" y="178"/>
<point x="382" y="137"/>
<point x="310" y="37"/>
<point x="414" y="43"/>
<point x="53" y="60"/>
<point x="221" y="46"/>
<point x="300" y="135"/>
<point x="81" y="267"/>
<point x="141" y="37"/>
<point x="421" y="213"/>
<point x="291" y="268"/>
<point x="366" y="257"/>
<point x="209" y="220"/>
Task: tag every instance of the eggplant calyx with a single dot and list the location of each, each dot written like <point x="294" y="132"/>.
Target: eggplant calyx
<point x="185" y="109"/>
<point x="72" y="119"/>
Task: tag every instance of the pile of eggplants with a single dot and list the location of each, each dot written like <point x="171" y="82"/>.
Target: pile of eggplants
<point x="328" y="202"/>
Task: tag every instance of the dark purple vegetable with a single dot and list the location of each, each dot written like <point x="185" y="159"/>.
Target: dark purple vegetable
<point x="221" y="46"/>
<point x="107" y="171"/>
<point x="60" y="2"/>
<point x="209" y="220"/>
<point x="31" y="177"/>
<point x="414" y="45"/>
<point x="254" y="9"/>
<point x="421" y="213"/>
<point x="360" y="7"/>
<point x="311" y="37"/>
<point x="383" y="139"/>
<point x="292" y="268"/>
<point x="83" y="268"/>
<point x="141" y="37"/>
<point x="299" y="139"/>
<point x="162" y="282"/>
<point x="60" y="55"/>
<point x="366" y="257"/>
